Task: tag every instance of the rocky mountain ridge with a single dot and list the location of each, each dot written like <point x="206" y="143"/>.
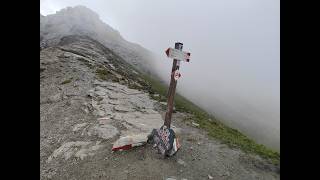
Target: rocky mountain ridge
<point x="80" y="20"/>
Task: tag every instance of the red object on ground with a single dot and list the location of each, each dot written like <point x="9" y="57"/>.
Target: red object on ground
<point x="125" y="147"/>
<point x="130" y="141"/>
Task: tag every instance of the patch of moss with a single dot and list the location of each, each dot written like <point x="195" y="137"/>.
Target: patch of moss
<point x="86" y="62"/>
<point x="115" y="79"/>
<point x="133" y="85"/>
<point x="102" y="73"/>
<point x="66" y="81"/>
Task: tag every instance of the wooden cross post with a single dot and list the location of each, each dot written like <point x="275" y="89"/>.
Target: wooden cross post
<point x="172" y="87"/>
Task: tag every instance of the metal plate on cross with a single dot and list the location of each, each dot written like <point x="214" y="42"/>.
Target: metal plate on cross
<point x="177" y="54"/>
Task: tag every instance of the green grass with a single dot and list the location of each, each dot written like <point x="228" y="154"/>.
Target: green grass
<point x="215" y="128"/>
<point x="86" y="62"/>
<point x="102" y="73"/>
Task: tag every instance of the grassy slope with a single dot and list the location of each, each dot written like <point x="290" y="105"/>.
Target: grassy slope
<point x="215" y="129"/>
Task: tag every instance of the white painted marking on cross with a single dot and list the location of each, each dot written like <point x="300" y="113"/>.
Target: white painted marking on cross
<point x="179" y="55"/>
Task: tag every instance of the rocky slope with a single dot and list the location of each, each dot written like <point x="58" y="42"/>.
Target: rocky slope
<point x="90" y="96"/>
<point x="80" y="20"/>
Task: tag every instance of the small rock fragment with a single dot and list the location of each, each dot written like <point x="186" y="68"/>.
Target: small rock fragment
<point x="127" y="142"/>
<point x="170" y="178"/>
<point x="100" y="93"/>
<point x="195" y="124"/>
<point x="181" y="162"/>
<point x="55" y="98"/>
<point x="121" y="108"/>
<point x="77" y="127"/>
<point x="103" y="131"/>
<point x="90" y="92"/>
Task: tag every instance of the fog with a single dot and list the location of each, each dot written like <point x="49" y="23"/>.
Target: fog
<point x="234" y="70"/>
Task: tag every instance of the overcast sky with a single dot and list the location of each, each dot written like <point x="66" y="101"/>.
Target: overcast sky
<point x="234" y="45"/>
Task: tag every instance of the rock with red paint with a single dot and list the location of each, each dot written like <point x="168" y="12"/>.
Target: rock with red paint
<point x="130" y="141"/>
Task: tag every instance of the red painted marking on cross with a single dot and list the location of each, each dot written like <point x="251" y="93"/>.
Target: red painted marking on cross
<point x="167" y="52"/>
<point x="176" y="75"/>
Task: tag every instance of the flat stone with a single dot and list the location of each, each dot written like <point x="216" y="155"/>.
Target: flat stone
<point x="113" y="88"/>
<point x="126" y="125"/>
<point x="149" y="111"/>
<point x="67" y="150"/>
<point x="195" y="124"/>
<point x="96" y="82"/>
<point x="86" y="109"/>
<point x="141" y="101"/>
<point x="117" y="85"/>
<point x="112" y="95"/>
<point x="68" y="93"/>
<point x="113" y="102"/>
<point x="111" y="65"/>
<point x="143" y="122"/>
<point x="99" y="88"/>
<point x="104" y="120"/>
<point x="77" y="127"/>
<point x="117" y="116"/>
<point x="131" y="91"/>
<point x="100" y="93"/>
<point x="181" y="162"/>
<point x="55" y="98"/>
<point x="82" y="153"/>
<point x="122" y="108"/>
<point x="103" y="99"/>
<point x="94" y="104"/>
<point x="171" y="178"/>
<point x="134" y="140"/>
<point x="227" y="173"/>
<point x="99" y="113"/>
<point x="104" y="131"/>
<point x="106" y="107"/>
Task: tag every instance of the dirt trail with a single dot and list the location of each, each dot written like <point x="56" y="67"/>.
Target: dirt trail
<point x="81" y="115"/>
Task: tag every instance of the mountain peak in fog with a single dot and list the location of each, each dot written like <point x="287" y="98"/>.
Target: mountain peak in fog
<point x="80" y="20"/>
